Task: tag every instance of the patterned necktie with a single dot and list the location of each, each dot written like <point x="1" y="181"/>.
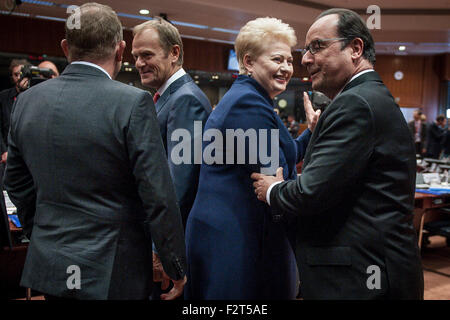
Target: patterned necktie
<point x="156" y="97"/>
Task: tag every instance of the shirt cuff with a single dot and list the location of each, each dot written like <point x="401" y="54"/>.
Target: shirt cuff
<point x="270" y="189"/>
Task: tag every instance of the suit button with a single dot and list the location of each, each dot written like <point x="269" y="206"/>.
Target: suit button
<point x="276" y="218"/>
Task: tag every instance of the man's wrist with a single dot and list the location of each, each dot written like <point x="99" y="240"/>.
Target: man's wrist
<point x="270" y="189"/>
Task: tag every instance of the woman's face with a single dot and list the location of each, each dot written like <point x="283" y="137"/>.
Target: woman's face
<point x="273" y="68"/>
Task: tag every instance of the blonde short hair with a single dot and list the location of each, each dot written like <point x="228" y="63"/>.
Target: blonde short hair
<point x="253" y="37"/>
<point x="167" y="33"/>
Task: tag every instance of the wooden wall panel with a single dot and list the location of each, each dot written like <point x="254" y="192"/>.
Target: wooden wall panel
<point x="37" y="37"/>
<point x="420" y="85"/>
<point x="31" y="36"/>
<point x="431" y="87"/>
<point x="128" y="37"/>
<point x="409" y="89"/>
<point x="445" y="71"/>
<point x="205" y="56"/>
<point x="299" y="70"/>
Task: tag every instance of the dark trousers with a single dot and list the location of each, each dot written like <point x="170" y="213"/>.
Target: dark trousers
<point x="418" y="147"/>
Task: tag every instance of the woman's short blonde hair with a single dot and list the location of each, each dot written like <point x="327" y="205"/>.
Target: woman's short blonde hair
<point x="253" y="37"/>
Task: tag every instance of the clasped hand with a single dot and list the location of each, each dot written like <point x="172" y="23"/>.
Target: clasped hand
<point x="263" y="182"/>
<point x="159" y="275"/>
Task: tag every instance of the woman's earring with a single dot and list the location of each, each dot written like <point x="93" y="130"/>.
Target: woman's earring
<point x="249" y="74"/>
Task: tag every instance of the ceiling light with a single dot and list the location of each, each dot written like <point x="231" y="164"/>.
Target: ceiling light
<point x="402" y="48"/>
<point x="144" y="11"/>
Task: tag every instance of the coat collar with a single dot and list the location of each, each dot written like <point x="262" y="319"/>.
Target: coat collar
<point x="369" y="76"/>
<point x="84" y="69"/>
<point x="244" y="79"/>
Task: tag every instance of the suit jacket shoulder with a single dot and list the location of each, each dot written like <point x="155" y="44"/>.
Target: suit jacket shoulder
<point x="183" y="91"/>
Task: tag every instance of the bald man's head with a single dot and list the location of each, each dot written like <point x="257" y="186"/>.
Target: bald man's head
<point x="49" y="65"/>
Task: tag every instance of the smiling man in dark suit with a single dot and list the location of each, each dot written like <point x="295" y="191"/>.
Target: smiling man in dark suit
<point x="158" y="51"/>
<point x="87" y="169"/>
<point x="354" y="199"/>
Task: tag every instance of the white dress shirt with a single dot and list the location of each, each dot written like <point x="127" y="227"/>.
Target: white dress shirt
<point x="172" y="79"/>
<point x="92" y="65"/>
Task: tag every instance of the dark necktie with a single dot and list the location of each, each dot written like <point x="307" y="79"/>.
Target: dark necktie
<point x="156" y="97"/>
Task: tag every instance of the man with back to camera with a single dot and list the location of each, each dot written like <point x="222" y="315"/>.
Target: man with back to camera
<point x="86" y="162"/>
<point x="354" y="199"/>
<point x="158" y="52"/>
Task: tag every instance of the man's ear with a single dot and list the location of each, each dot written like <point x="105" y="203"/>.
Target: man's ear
<point x="65" y="48"/>
<point x="248" y="62"/>
<point x="357" y="46"/>
<point x="120" y="50"/>
<point x="175" y="53"/>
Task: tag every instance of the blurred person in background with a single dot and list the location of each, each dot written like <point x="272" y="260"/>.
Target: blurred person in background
<point x="418" y="130"/>
<point x="7" y="99"/>
<point x="49" y="65"/>
<point x="293" y="126"/>
<point x="435" y="137"/>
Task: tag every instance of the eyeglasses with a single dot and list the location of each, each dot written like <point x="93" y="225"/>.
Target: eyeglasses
<point x="317" y="45"/>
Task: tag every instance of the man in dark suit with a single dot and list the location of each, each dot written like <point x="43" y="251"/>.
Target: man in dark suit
<point x="354" y="199"/>
<point x="158" y="51"/>
<point x="87" y="170"/>
<point x="418" y="130"/>
<point x="436" y="137"/>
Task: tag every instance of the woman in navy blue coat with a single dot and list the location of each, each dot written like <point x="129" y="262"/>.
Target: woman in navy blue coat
<point x="235" y="250"/>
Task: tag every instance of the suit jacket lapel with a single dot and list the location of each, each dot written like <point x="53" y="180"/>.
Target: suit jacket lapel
<point x="174" y="86"/>
<point x="369" y="76"/>
<point x="162" y="101"/>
